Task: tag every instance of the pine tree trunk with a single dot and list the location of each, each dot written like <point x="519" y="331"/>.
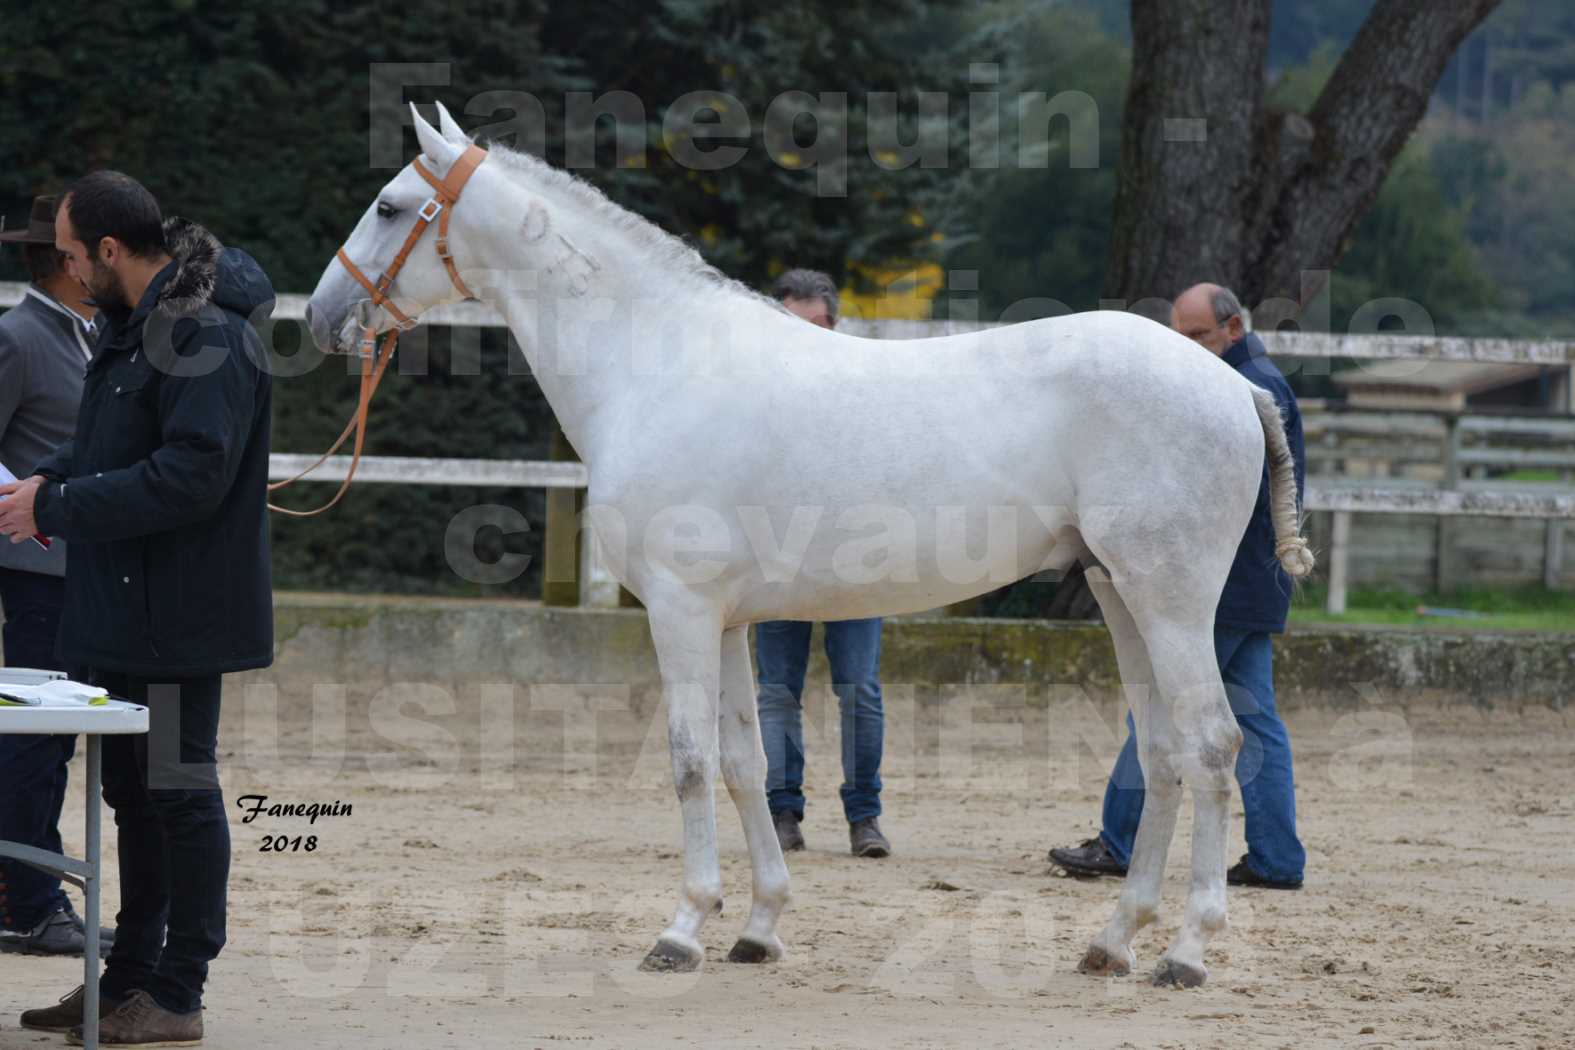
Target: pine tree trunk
<point x="1188" y="148"/>
<point x="1216" y="186"/>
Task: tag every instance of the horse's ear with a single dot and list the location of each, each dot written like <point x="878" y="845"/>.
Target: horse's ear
<point x="434" y="146"/>
<point x="450" y="127"/>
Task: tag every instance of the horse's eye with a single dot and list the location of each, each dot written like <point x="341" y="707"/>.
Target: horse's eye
<point x="386" y="210"/>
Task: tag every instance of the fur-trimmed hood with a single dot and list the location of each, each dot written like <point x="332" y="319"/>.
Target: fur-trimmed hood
<point x="208" y="272"/>
<point x="196" y="255"/>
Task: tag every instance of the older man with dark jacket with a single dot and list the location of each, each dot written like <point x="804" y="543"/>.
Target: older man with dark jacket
<point x="162" y="496"/>
<point x="45" y="343"/>
<point x="1253" y="607"/>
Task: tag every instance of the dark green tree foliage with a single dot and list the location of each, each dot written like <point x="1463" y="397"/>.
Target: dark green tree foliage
<point x="762" y="212"/>
<point x="1300" y="29"/>
<point x="1055" y="263"/>
<point x="254" y="119"/>
<point x="1412" y="245"/>
<point x="1512" y="180"/>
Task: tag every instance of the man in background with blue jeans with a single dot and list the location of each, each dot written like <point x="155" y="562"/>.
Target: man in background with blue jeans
<point x="1252" y="608"/>
<point x="853" y="652"/>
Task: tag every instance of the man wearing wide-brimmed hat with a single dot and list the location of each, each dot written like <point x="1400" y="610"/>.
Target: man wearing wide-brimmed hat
<point x="45" y="343"/>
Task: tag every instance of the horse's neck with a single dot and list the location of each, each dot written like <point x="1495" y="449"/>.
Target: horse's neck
<point x="575" y="318"/>
<point x="547" y="293"/>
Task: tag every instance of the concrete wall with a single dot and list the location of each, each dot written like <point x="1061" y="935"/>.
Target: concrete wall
<point x="365" y="645"/>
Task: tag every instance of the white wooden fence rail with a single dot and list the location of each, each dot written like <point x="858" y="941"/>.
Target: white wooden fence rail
<point x="1341" y="500"/>
<point x="415" y="470"/>
<point x="1364" y="346"/>
<point x="527" y="473"/>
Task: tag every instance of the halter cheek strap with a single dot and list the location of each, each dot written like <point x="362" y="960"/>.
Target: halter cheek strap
<point x="445" y="194"/>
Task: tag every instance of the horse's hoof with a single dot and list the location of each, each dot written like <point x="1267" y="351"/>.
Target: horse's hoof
<point x="1101" y="963"/>
<point x="670" y="957"/>
<point x="1172" y="974"/>
<point x="748" y="951"/>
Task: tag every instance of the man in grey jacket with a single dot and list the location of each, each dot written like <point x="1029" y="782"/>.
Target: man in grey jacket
<point x="45" y="343"/>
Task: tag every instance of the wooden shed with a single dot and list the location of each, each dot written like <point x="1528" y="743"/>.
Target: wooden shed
<point x="1453" y="386"/>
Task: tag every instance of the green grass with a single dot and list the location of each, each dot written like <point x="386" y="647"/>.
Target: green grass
<point x="1527" y="608"/>
<point x="1531" y="474"/>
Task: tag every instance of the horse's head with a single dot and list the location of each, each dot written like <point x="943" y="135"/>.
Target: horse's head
<point x="341" y="307"/>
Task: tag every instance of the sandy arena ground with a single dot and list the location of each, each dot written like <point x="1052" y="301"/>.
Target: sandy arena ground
<point x="498" y="882"/>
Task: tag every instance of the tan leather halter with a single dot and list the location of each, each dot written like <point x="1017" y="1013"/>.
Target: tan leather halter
<point x="445" y="194"/>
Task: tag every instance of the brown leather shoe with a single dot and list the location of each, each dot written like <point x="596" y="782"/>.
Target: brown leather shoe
<point x="65" y="1015"/>
<point x="142" y="1022"/>
<point x="789" y="835"/>
<point x="866" y="840"/>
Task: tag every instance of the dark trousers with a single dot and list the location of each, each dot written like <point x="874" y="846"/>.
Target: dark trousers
<point x="32" y="766"/>
<point x="173" y="837"/>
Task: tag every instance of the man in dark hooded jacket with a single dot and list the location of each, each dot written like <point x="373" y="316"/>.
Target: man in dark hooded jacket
<point x="161" y="493"/>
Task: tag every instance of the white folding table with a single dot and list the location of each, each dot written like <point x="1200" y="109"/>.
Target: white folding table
<point x="112" y="717"/>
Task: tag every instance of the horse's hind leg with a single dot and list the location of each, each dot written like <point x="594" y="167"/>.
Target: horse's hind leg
<point x="1200" y="750"/>
<point x="1111" y="952"/>
<point x="687" y="648"/>
<point x="744" y="773"/>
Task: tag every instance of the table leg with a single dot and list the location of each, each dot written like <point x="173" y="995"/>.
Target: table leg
<point x="90" y="888"/>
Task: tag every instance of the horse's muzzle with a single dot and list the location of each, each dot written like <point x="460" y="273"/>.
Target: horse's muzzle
<point x="317" y="324"/>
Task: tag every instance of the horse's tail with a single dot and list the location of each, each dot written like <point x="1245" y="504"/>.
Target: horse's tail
<point x="1289" y="546"/>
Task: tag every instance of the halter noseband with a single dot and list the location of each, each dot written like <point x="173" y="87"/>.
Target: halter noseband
<point x="445" y="194"/>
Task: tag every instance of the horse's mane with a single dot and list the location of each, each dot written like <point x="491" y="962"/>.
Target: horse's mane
<point x="670" y="254"/>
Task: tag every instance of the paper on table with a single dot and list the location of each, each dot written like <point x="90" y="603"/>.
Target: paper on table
<point x="62" y="692"/>
<point x="27" y="675"/>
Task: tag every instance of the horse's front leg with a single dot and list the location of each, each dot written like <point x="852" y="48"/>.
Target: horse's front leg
<point x="688" y="649"/>
<point x="744" y="772"/>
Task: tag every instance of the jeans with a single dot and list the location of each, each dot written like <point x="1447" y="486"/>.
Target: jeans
<point x="32" y="766"/>
<point x="1263" y="768"/>
<point x="853" y="651"/>
<point x="173" y="838"/>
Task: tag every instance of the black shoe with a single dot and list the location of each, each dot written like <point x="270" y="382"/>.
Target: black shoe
<point x="866" y="840"/>
<point x="1091" y="858"/>
<point x="1241" y="874"/>
<point x="788" y="834"/>
<point x="58" y="933"/>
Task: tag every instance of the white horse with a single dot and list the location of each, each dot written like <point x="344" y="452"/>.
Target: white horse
<point x="747" y="466"/>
